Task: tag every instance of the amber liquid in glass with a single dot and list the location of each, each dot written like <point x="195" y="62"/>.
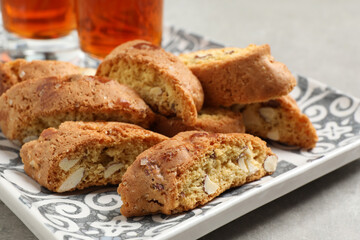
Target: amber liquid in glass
<point x="39" y="19"/>
<point x="104" y="24"/>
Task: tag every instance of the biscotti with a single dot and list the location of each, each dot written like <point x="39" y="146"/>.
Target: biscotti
<point x="217" y="120"/>
<point x="21" y="70"/>
<point x="239" y="75"/>
<point x="84" y="154"/>
<point x="191" y="169"/>
<point x="161" y="79"/>
<point x="280" y="120"/>
<point x="29" y="107"/>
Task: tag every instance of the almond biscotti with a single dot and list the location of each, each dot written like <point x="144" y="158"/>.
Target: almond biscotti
<point x="239" y="75"/>
<point x="280" y="120"/>
<point x="84" y="154"/>
<point x="29" y="107"/>
<point x="217" y="120"/>
<point x="191" y="169"/>
<point x="21" y="70"/>
<point x="160" y="78"/>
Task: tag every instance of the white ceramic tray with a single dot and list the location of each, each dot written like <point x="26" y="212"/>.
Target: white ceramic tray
<point x="94" y="213"/>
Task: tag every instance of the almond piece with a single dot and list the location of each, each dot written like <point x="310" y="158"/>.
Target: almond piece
<point x="244" y="159"/>
<point x="33" y="164"/>
<point x="267" y="113"/>
<point x="248" y="153"/>
<point x="22" y="74"/>
<point x="143" y="161"/>
<point x="273" y="135"/>
<point x="156" y="91"/>
<point x="112" y="169"/>
<point x="67" y="164"/>
<point x="252" y="168"/>
<point x="242" y="165"/>
<point x="209" y="186"/>
<point x="72" y="181"/>
<point x="270" y="163"/>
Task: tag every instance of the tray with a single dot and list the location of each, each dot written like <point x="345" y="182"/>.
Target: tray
<point x="94" y="213"/>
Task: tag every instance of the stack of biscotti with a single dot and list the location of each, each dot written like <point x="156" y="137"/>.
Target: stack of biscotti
<point x="84" y="143"/>
<point x="228" y="77"/>
<point x="70" y="110"/>
<point x="208" y="152"/>
<point x="193" y="167"/>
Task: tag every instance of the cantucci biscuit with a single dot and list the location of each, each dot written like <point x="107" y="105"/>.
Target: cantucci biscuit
<point x="280" y="120"/>
<point x="29" y="107"/>
<point x="191" y="169"/>
<point x="85" y="154"/>
<point x="239" y="75"/>
<point x="160" y="78"/>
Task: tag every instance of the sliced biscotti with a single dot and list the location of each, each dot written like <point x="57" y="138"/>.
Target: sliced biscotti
<point x="85" y="154"/>
<point x="21" y="70"/>
<point x="161" y="79"/>
<point x="191" y="169"/>
<point x="29" y="107"/>
<point x="239" y="75"/>
<point x="280" y="120"/>
<point x="217" y="120"/>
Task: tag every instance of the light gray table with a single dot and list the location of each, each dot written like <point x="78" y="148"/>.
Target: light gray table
<point x="318" y="39"/>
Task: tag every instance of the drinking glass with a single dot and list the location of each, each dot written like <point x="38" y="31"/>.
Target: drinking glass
<point x="39" y="29"/>
<point x="104" y="24"/>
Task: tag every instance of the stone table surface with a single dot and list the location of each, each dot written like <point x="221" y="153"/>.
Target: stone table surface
<point x="318" y="39"/>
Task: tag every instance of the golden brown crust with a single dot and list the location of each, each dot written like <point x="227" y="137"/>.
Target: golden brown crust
<point x="167" y="74"/>
<point x="21" y="70"/>
<point x="155" y="181"/>
<point x="239" y="76"/>
<point x="280" y="120"/>
<point x="29" y="107"/>
<point x="217" y="120"/>
<point x="42" y="158"/>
